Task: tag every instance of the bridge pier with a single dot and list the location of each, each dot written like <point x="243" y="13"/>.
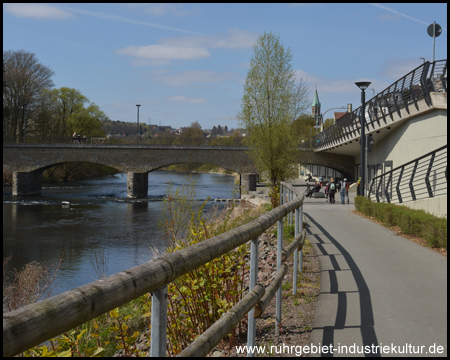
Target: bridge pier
<point x="248" y="182"/>
<point x="27" y="183"/>
<point x="137" y="185"/>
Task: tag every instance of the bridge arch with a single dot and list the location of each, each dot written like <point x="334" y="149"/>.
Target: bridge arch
<point x="27" y="161"/>
<point x="342" y="163"/>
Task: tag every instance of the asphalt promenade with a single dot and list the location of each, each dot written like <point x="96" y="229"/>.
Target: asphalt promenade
<point x="381" y="294"/>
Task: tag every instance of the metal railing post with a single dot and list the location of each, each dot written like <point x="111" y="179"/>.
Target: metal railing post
<point x="278" y="300"/>
<point x="291" y="197"/>
<point x="294" y="275"/>
<point x="300" y="260"/>
<point x="159" y="323"/>
<point x="254" y="257"/>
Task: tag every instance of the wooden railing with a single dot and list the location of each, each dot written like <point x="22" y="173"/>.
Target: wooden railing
<point x="33" y="324"/>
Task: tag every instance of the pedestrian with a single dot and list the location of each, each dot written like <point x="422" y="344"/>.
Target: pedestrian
<point x="320" y="180"/>
<point x="332" y="190"/>
<point x="347" y="188"/>
<point x="358" y="187"/>
<point x="327" y="189"/>
<point x="343" y="187"/>
<point x="316" y="188"/>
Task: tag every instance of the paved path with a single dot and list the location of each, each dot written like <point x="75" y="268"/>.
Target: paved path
<point x="377" y="288"/>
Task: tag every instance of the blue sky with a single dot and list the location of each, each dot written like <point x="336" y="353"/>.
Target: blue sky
<point x="188" y="62"/>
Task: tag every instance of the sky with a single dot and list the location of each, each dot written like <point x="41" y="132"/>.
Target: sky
<point x="188" y="62"/>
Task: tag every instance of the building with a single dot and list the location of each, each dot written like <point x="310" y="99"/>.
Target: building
<point x="315" y="110"/>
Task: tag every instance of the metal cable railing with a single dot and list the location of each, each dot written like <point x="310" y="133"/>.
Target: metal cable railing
<point x="422" y="178"/>
<point x="402" y="94"/>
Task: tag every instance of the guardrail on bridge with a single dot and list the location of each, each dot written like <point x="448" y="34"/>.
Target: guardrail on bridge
<point x="31" y="325"/>
<point x="402" y="94"/>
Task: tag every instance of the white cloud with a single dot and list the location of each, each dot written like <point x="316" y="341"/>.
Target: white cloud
<point x="195" y="76"/>
<point x="187" y="47"/>
<point x="397" y="68"/>
<point x="398" y="13"/>
<point x="231" y="39"/>
<point x="182" y="98"/>
<point x="37" y="11"/>
<point x="165" y="52"/>
<point x="125" y="20"/>
<point x="337" y="86"/>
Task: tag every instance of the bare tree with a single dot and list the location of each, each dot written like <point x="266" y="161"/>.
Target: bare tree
<point x="26" y="78"/>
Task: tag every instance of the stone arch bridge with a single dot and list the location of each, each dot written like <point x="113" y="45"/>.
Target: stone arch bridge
<point x="28" y="161"/>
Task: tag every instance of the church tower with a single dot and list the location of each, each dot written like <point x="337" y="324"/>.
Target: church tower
<point x="315" y="110"/>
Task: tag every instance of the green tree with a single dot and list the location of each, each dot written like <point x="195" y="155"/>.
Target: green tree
<point x="303" y="127"/>
<point x="72" y="112"/>
<point x="270" y="104"/>
<point x="192" y="135"/>
<point x="327" y="123"/>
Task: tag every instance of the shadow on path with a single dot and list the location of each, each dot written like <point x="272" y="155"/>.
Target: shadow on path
<point x="367" y="330"/>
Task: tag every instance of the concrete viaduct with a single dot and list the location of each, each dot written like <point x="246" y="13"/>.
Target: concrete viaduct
<point x="28" y="161"/>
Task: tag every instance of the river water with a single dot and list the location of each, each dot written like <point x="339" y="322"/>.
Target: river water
<point x="100" y="217"/>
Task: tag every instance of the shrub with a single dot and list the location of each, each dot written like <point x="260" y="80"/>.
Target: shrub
<point x="410" y="221"/>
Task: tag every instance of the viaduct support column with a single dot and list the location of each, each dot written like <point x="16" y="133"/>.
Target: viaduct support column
<point x="248" y="183"/>
<point x="137" y="185"/>
<point x="27" y="183"/>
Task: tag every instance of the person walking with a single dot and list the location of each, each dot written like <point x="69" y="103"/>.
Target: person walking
<point x="343" y="187"/>
<point x="347" y="188"/>
<point x="327" y="189"/>
<point x="332" y="190"/>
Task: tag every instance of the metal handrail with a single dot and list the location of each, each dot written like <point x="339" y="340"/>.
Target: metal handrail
<point x="31" y="325"/>
<point x="402" y="94"/>
<point x="421" y="178"/>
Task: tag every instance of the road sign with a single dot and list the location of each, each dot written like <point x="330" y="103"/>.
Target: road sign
<point x="437" y="31"/>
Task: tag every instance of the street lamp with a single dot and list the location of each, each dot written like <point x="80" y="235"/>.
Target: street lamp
<point x="139" y="132"/>
<point x="323" y="115"/>
<point x="363" y="85"/>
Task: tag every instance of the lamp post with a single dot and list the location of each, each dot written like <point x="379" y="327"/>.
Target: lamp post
<point x="139" y="133"/>
<point x="323" y="115"/>
<point x="363" y="85"/>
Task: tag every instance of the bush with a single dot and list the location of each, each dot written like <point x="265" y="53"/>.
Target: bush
<point x="415" y="222"/>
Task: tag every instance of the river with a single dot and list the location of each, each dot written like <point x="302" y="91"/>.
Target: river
<point x="100" y="217"/>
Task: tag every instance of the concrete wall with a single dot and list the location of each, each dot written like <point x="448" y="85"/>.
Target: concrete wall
<point x="410" y="139"/>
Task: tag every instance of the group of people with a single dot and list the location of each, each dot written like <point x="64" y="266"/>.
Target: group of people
<point x="332" y="187"/>
<point x="77" y="138"/>
<point x="330" y="190"/>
